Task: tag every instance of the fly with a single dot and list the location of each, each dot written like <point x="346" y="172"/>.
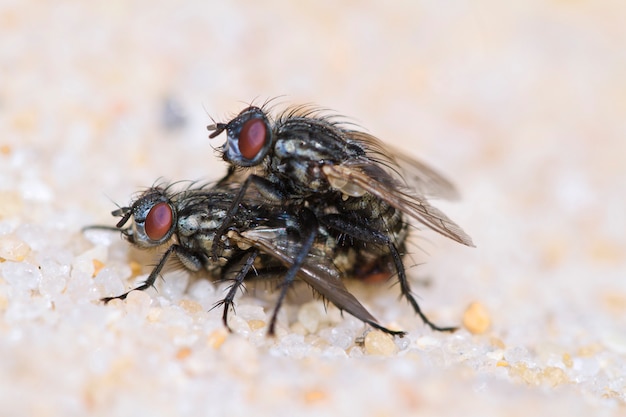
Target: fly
<point x="262" y="240"/>
<point x="355" y="186"/>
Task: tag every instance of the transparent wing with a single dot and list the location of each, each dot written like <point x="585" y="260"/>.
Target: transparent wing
<point x="363" y="175"/>
<point x="404" y="169"/>
<point x="316" y="271"/>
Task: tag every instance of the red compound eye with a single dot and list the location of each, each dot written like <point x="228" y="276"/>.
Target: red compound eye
<point x="252" y="138"/>
<point x="159" y="221"/>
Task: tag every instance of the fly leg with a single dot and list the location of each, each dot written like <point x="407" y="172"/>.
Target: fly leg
<point x="265" y="187"/>
<point x="365" y="234"/>
<point x="227" y="302"/>
<point x="310" y="225"/>
<point x="188" y="259"/>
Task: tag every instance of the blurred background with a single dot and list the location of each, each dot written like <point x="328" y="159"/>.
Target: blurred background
<point x="521" y="103"/>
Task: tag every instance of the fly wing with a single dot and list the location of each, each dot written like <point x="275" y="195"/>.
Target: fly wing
<point x="408" y="171"/>
<point x="316" y="271"/>
<point x="427" y="180"/>
<point x="415" y="206"/>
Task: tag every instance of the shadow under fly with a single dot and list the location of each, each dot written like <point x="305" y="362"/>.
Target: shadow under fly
<point x="262" y="240"/>
<point x="355" y="186"/>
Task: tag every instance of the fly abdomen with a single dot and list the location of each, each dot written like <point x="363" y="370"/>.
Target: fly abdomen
<point x="378" y="215"/>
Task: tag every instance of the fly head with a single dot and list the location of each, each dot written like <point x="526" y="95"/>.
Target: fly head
<point x="249" y="137"/>
<point x="153" y="219"/>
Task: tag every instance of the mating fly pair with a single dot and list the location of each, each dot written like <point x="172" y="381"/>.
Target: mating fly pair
<point x="305" y="197"/>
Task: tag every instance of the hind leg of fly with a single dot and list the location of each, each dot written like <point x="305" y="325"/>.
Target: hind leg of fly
<point x="309" y="223"/>
<point x="365" y="234"/>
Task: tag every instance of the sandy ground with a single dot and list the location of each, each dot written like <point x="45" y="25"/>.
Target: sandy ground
<point x="521" y="103"/>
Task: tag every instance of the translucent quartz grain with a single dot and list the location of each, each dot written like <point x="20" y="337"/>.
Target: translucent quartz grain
<point x="379" y="343"/>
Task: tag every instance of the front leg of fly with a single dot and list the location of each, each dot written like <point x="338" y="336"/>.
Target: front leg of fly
<point x="189" y="260"/>
<point x="265" y="187"/>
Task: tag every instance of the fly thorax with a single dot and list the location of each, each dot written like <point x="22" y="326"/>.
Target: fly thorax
<point x="299" y="163"/>
<point x="199" y="222"/>
<point x="196" y="230"/>
<point x="188" y="225"/>
<point x="302" y="177"/>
